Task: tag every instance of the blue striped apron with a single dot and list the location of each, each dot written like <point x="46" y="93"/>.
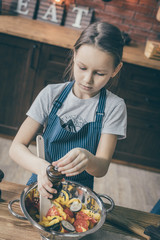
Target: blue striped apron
<point x="58" y="141"/>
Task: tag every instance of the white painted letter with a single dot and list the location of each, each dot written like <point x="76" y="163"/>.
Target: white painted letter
<point x="52" y="13"/>
<point x="21" y="5"/>
<point x="79" y="16"/>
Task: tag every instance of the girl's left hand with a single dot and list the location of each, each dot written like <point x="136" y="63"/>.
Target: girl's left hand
<point x="74" y="162"/>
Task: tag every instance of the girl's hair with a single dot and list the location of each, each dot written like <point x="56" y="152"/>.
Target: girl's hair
<point x="102" y="35"/>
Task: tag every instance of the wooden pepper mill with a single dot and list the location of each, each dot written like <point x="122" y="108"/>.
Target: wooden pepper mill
<point x="1" y="177"/>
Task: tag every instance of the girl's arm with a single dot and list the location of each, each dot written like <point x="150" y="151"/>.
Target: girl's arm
<point x="78" y="159"/>
<point x="99" y="164"/>
<point x="20" y="153"/>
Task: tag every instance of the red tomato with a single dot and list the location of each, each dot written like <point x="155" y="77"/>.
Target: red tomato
<point x="68" y="212"/>
<point x="82" y="215"/>
<point x="92" y="220"/>
<point x="81" y="223"/>
<point x="79" y="229"/>
<point x="65" y="231"/>
<point x="53" y="211"/>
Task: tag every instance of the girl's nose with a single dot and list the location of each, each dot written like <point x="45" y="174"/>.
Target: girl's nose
<point x="88" y="78"/>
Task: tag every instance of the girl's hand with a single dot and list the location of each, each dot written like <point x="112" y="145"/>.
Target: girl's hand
<point x="74" y="162"/>
<point x="44" y="185"/>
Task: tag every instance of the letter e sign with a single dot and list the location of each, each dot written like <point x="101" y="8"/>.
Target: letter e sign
<point x="24" y="8"/>
<point x="78" y="16"/>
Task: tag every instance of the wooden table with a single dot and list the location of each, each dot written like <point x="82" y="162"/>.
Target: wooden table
<point x="12" y="228"/>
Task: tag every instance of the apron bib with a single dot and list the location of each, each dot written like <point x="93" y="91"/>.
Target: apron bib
<point x="58" y="141"/>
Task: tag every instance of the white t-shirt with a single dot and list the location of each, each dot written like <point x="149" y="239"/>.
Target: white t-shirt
<point x="76" y="112"/>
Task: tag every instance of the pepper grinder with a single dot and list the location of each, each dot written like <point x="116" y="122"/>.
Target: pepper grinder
<point x="1" y="177"/>
<point x="55" y="177"/>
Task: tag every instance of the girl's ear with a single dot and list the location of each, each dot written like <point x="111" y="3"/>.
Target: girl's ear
<point x="118" y="68"/>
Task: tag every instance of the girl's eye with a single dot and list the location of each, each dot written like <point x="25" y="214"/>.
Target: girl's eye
<point x="100" y="74"/>
<point x="82" y="68"/>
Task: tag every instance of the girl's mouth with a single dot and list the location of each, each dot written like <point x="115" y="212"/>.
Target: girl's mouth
<point x="86" y="87"/>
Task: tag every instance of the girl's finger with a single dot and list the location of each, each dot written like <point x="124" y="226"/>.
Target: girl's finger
<point x="70" y="158"/>
<point x="80" y="167"/>
<point x="71" y="162"/>
<point x="45" y="181"/>
<point x="72" y="174"/>
<point x="58" y="162"/>
<point x="69" y="165"/>
<point x="49" y="189"/>
<point x="61" y="159"/>
<point x="44" y="193"/>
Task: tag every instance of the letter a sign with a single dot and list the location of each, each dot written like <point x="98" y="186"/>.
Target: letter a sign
<point x="50" y="12"/>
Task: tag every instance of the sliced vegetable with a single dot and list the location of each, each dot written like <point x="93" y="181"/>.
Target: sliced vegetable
<point x="68" y="204"/>
<point x="50" y="218"/>
<point x="90" y="213"/>
<point x="81" y="222"/>
<point x="53" y="211"/>
<point x="69" y="212"/>
<point x="54" y="221"/>
<point x="54" y="227"/>
<point x="64" y="230"/>
<point x="68" y="226"/>
<point x="63" y="214"/>
<point x="56" y="204"/>
<point x="80" y="229"/>
<point x="82" y="215"/>
<point x="65" y="195"/>
<point x="76" y="206"/>
<point x="70" y="216"/>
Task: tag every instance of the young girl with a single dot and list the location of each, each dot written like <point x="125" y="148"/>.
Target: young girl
<point x="82" y="119"/>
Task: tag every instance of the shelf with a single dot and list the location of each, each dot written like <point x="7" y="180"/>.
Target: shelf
<point x="64" y="37"/>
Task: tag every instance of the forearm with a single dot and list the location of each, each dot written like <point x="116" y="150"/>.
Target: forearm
<point x="25" y="158"/>
<point x="79" y="159"/>
<point x="97" y="166"/>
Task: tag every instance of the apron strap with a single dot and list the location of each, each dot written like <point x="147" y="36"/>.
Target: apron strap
<point x="101" y="106"/>
<point x="58" y="103"/>
<point x="63" y="95"/>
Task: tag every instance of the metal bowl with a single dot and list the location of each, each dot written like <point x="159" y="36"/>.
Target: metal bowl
<point x="92" y="200"/>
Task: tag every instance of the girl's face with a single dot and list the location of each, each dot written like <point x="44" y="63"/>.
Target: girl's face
<point x="92" y="70"/>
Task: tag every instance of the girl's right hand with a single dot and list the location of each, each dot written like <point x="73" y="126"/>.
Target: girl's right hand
<point x="44" y="185"/>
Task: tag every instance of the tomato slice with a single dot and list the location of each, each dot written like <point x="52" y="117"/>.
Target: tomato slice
<point x="53" y="211"/>
<point x="80" y="229"/>
<point x="92" y="220"/>
<point x="82" y="215"/>
<point x="68" y="212"/>
<point x="82" y="223"/>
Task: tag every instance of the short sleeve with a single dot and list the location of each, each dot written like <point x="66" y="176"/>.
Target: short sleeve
<point x="42" y="105"/>
<point x="115" y="122"/>
<point x="40" y="108"/>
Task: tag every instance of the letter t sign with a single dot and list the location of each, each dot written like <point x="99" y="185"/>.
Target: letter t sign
<point x="78" y="17"/>
<point x="80" y="12"/>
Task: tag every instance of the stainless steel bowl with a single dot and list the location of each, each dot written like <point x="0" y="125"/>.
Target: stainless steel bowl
<point x="90" y="198"/>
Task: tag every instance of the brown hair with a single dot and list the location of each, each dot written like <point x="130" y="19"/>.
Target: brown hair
<point x="102" y="35"/>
